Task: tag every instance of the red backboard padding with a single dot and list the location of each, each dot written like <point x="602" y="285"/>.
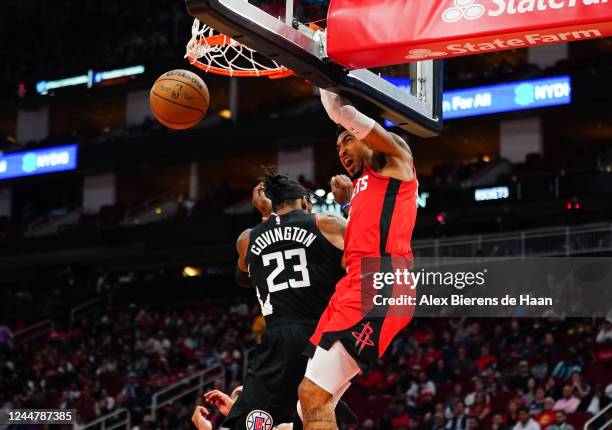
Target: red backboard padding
<point x="369" y="33"/>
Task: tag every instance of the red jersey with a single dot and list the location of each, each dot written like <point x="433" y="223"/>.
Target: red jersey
<point x="381" y="217"/>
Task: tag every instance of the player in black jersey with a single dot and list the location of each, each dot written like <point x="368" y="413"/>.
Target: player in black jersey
<point x="294" y="261"/>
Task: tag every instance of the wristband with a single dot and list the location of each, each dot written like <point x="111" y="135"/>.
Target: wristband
<point x="346" y="205"/>
<point x="358" y="124"/>
<point x="342" y="112"/>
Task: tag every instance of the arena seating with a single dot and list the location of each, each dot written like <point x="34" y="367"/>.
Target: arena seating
<point x="122" y="355"/>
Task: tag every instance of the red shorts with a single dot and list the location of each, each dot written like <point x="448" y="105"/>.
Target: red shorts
<point x="364" y="334"/>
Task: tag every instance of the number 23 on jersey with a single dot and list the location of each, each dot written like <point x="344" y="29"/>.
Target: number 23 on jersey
<point x="290" y="256"/>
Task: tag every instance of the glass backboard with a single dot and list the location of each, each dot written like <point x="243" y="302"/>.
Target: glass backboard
<point x="292" y="32"/>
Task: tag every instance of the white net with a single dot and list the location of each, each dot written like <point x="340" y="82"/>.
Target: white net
<point x="220" y="54"/>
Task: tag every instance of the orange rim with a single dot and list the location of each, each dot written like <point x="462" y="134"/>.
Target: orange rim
<point x="216" y="40"/>
<point x="222" y="40"/>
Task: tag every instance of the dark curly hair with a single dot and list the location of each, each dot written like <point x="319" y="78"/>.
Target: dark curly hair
<point x="280" y="189"/>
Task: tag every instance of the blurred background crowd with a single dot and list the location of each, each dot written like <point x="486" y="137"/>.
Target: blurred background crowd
<point x="439" y="373"/>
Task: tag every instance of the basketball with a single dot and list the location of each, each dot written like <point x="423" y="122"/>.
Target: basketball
<point x="179" y="99"/>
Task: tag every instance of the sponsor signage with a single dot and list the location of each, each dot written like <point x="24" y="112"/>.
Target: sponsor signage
<point x="445" y="28"/>
<point x="38" y="162"/>
<point x="90" y="79"/>
<point x="494" y="193"/>
<point x="513" y="96"/>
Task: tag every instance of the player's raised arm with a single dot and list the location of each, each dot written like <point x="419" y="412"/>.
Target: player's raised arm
<point x="264" y="205"/>
<point x="364" y="128"/>
<point x="241" y="277"/>
<point x="260" y="202"/>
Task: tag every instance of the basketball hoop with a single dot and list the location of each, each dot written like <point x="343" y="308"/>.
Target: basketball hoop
<point x="222" y="55"/>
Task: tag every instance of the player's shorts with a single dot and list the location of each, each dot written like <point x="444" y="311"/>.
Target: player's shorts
<point x="275" y="371"/>
<point x="364" y="334"/>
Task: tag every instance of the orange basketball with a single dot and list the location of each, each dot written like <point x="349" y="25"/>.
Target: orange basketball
<point x="179" y="99"/>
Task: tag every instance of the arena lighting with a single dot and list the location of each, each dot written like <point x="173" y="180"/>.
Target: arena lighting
<point x="498" y="98"/>
<point x="38" y="162"/>
<point x="118" y="73"/>
<point x="324" y="207"/>
<point x="225" y="113"/>
<point x="191" y="271"/>
<point x="494" y="193"/>
<point x="324" y="203"/>
<point x="90" y="79"/>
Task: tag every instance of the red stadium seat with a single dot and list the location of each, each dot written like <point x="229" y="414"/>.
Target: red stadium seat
<point x="466" y="378"/>
<point x="554" y="360"/>
<point x="578" y="419"/>
<point x="602" y="352"/>
<point x="486" y="423"/>
<point x="500" y="402"/>
<point x="379" y="405"/>
<point x="467" y="385"/>
<point x="598" y="372"/>
<point x="356" y="400"/>
<point x="444" y="391"/>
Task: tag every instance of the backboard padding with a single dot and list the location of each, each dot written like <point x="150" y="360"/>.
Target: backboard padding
<point x="300" y="49"/>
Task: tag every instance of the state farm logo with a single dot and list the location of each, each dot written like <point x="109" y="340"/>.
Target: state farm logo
<point x="467" y="9"/>
<point x="471" y="10"/>
<point x="420" y="54"/>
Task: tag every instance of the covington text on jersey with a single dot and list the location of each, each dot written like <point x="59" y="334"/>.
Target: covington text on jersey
<point x="269" y="237"/>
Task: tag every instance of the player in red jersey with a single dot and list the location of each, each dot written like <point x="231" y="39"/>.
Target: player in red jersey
<point x="381" y="204"/>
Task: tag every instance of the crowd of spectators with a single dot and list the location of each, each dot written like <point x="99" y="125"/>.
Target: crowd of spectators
<point x="121" y="357"/>
<point x="512" y="374"/>
<point x="455" y="374"/>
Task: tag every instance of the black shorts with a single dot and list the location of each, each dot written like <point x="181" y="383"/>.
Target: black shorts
<point x="276" y="368"/>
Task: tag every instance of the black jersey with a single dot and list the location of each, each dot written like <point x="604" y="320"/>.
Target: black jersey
<point x="293" y="266"/>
